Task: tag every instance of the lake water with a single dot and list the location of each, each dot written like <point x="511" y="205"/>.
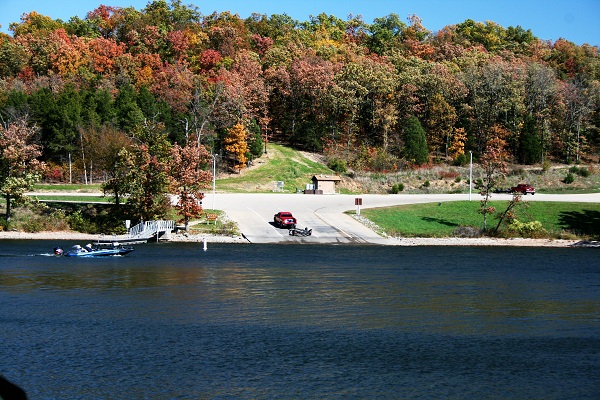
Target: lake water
<point x="171" y="321"/>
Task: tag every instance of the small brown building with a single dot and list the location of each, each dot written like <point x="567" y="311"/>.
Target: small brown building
<point x="325" y="184"/>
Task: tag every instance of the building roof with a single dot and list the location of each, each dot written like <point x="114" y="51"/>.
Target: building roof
<point x="321" y="177"/>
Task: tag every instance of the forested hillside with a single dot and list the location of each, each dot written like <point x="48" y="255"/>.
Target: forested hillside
<point x="377" y="95"/>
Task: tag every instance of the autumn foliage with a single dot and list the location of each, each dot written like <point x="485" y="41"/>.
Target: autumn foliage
<point x="189" y="179"/>
<point x="236" y="146"/>
<point x="351" y="89"/>
<point x="19" y="165"/>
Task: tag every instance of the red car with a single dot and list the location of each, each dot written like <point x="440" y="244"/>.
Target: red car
<point x="284" y="219"/>
<point x="523" y="188"/>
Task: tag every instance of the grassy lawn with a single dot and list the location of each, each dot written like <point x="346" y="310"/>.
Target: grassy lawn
<point x="440" y="219"/>
<point x="65" y="187"/>
<point x="280" y="164"/>
<point x="78" y="199"/>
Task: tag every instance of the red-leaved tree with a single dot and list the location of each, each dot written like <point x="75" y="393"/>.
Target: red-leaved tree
<point x="493" y="163"/>
<point x="189" y="179"/>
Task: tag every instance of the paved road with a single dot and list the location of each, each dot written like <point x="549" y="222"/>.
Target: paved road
<point x="324" y="214"/>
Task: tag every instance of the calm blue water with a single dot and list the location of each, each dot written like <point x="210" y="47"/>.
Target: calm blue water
<point x="170" y="321"/>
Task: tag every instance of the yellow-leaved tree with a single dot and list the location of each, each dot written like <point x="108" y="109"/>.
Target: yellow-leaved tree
<point x="457" y="147"/>
<point x="236" y="146"/>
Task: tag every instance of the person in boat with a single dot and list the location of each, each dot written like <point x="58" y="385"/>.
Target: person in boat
<point x="88" y="247"/>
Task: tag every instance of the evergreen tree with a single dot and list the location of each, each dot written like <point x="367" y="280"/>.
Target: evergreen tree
<point x="129" y="114"/>
<point x="42" y="105"/>
<point x="99" y="108"/>
<point x="147" y="103"/>
<point x="415" y="142"/>
<point x="256" y="143"/>
<point x="67" y="121"/>
<point x="530" y="145"/>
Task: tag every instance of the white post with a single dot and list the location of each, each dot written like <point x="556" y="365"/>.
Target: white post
<point x="205" y="246"/>
<point x="470" y="175"/>
<point x="214" y="157"/>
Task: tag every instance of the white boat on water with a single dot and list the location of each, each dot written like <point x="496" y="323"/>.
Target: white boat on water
<point x="90" y="251"/>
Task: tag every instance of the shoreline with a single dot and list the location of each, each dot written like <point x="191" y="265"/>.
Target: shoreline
<point x="89" y="237"/>
<point x="409" y="241"/>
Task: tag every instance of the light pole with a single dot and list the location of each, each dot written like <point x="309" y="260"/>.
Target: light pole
<point x="214" y="158"/>
<point x="470" y="174"/>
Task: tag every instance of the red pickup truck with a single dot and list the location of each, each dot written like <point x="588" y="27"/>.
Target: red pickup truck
<point x="284" y="219"/>
<point x="523" y="188"/>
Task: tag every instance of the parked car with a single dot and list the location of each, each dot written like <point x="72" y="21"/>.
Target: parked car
<point x="284" y="219"/>
<point x="523" y="188"/>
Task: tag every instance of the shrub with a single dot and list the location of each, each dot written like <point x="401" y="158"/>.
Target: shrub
<point x="461" y="160"/>
<point x="570" y="178"/>
<point x="338" y="165"/>
<point x="449" y="175"/>
<point x="584" y="172"/>
<point x="426" y="184"/>
<point x="519" y="171"/>
<point x="397" y="188"/>
<point x="580" y="171"/>
<point x="32" y="225"/>
<point x="467" y="232"/>
<point x="54" y="173"/>
<point x="79" y="223"/>
<point x="39" y="223"/>
<point x="457" y="179"/>
<point x="533" y="229"/>
<point x="228" y="228"/>
<point x="546" y="165"/>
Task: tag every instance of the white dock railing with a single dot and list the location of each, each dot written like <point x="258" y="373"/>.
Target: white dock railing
<point x="148" y="229"/>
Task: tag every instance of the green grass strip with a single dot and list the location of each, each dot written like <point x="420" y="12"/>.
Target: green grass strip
<point x="440" y="219"/>
<point x="74" y="199"/>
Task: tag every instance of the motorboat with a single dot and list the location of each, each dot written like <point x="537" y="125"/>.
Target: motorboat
<point x="90" y="251"/>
